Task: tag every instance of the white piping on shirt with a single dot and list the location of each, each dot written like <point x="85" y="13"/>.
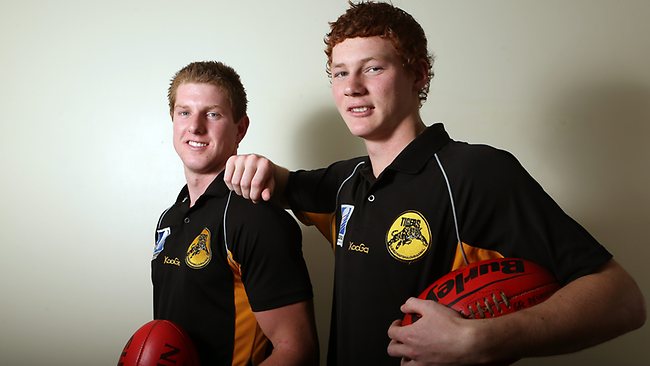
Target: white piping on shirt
<point x="453" y="209"/>
<point x="225" y="211"/>
<point x="347" y="179"/>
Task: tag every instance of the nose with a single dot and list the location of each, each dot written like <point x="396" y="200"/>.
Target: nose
<point x="354" y="86"/>
<point x="196" y="125"/>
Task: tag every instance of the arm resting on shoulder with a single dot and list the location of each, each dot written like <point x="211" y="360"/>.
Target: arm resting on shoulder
<point x="256" y="178"/>
<point x="292" y="331"/>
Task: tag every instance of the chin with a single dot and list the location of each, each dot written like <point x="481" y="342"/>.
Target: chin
<point x="363" y="133"/>
<point x="357" y="129"/>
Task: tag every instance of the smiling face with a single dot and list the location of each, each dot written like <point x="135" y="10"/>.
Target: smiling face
<point x="205" y="132"/>
<point x="373" y="92"/>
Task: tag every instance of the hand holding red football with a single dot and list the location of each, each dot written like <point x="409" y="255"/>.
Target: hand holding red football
<point x="443" y="346"/>
<point x="444" y="327"/>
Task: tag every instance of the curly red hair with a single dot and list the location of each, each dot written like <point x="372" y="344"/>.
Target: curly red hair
<point x="370" y="19"/>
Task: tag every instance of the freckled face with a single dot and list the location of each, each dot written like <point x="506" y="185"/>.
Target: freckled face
<point x="205" y="134"/>
<point x="373" y="92"/>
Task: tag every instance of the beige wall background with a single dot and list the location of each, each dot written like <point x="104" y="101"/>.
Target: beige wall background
<point x="87" y="162"/>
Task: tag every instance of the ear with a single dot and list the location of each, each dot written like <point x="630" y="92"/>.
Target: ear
<point x="242" y="127"/>
<point x="421" y="75"/>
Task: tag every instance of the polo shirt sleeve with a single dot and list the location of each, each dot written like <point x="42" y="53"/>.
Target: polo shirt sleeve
<point x="312" y="195"/>
<point x="502" y="207"/>
<point x="266" y="242"/>
<point x="316" y="190"/>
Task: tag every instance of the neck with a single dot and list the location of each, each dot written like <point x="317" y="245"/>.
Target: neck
<point x="197" y="184"/>
<point x="383" y="152"/>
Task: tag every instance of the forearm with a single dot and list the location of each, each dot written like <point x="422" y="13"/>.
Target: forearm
<point x="281" y="176"/>
<point x="585" y="312"/>
<point x="292" y="331"/>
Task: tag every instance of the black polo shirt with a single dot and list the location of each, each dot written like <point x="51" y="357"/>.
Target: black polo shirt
<point x="396" y="234"/>
<point x="219" y="261"/>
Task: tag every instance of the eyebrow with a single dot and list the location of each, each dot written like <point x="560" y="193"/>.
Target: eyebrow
<point x="213" y="106"/>
<point x="363" y="61"/>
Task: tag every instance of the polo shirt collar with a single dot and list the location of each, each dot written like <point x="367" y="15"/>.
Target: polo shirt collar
<point x="216" y="189"/>
<point x="416" y="154"/>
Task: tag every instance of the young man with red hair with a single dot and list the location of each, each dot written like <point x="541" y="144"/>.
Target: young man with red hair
<point x="420" y="205"/>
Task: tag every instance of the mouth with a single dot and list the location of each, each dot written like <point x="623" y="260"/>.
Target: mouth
<point x="193" y="143"/>
<point x="360" y="109"/>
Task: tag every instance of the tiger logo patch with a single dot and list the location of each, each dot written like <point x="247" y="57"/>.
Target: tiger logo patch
<point x="199" y="252"/>
<point x="409" y="237"/>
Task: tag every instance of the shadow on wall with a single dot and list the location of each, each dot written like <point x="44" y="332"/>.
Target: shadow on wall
<point x="323" y="139"/>
<point x="320" y="262"/>
<point x="596" y="135"/>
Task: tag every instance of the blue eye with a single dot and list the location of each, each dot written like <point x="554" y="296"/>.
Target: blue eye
<point x="374" y="69"/>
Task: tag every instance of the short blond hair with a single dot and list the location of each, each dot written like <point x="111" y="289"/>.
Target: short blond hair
<point x="214" y="73"/>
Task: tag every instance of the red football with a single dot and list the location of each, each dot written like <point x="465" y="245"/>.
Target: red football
<point x="159" y="342"/>
<point x="491" y="288"/>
